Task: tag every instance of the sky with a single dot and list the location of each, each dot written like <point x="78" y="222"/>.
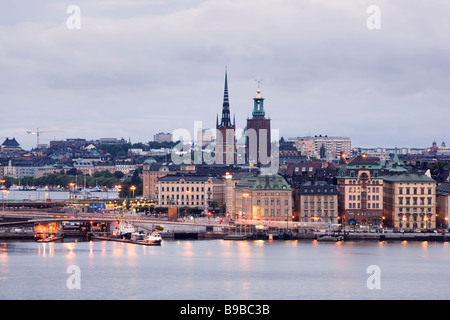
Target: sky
<point x="132" y="68"/>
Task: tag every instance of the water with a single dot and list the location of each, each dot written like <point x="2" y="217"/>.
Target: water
<point x="219" y="269"/>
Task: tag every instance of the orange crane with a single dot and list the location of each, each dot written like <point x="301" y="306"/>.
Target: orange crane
<point x="38" y="133"/>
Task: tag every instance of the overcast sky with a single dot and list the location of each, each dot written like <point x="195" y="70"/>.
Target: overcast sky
<point x="139" y="67"/>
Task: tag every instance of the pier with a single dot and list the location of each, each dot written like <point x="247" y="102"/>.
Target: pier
<point x="20" y="224"/>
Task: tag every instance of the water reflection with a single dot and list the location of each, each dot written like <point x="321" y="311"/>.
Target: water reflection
<point x="218" y="269"/>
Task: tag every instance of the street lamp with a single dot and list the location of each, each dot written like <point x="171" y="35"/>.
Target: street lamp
<point x="132" y="188"/>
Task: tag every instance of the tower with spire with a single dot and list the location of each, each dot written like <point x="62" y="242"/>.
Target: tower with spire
<point x="258" y="148"/>
<point x="225" y="132"/>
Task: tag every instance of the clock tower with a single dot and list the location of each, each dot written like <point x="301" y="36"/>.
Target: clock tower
<point x="258" y="149"/>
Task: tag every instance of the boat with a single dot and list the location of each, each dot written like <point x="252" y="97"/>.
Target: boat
<point x="125" y="230"/>
<point x="330" y="238"/>
<point x="138" y="236"/>
<point x="153" y="238"/>
<point x="44" y="237"/>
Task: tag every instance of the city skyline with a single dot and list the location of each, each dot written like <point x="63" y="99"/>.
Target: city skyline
<point x="136" y="68"/>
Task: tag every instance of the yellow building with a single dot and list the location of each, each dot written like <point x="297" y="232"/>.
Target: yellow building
<point x="410" y="202"/>
<point x="263" y="197"/>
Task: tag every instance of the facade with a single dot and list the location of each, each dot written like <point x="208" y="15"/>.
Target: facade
<point x="162" y="137"/>
<point x="318" y="202"/>
<point x="258" y="143"/>
<point x="410" y="201"/>
<point x="333" y="146"/>
<point x="151" y="173"/>
<point x="191" y="190"/>
<point x="263" y="197"/>
<point x="225" y="149"/>
<point x="360" y="186"/>
<point x="443" y="205"/>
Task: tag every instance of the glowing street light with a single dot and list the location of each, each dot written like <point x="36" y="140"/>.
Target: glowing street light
<point x="132" y="188"/>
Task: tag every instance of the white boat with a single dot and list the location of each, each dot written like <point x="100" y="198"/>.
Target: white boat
<point x="153" y="238"/>
<point x="124" y="230"/>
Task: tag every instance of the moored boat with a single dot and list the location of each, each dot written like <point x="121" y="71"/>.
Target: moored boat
<point x="153" y="238"/>
<point x="43" y="237"/>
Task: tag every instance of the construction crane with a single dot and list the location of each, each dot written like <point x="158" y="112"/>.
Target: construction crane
<point x="38" y="133"/>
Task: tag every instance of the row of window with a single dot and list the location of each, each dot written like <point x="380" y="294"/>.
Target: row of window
<point x="319" y="205"/>
<point x="358" y="189"/>
<point x="272" y="212"/>
<point x="359" y="182"/>
<point x="197" y="189"/>
<point x="414" y="190"/>
<point x="415" y="200"/>
<point x="273" y="193"/>
<point x="192" y="203"/>
<point x="414" y="210"/>
<point x="317" y="213"/>
<point x="324" y="190"/>
<point x="272" y="202"/>
<point x="182" y="196"/>
<point x="319" y="198"/>
<point x="358" y="197"/>
<point x="375" y="205"/>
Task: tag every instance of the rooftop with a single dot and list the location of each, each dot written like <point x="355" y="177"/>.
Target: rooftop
<point x="408" y="177"/>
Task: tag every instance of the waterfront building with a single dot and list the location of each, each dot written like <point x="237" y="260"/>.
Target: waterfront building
<point x="317" y="202"/>
<point x="360" y="186"/>
<point x="410" y="201"/>
<point x="263" y="197"/>
<point x="443" y="205"/>
<point x="191" y="190"/>
<point x="258" y="141"/>
<point x="225" y="149"/>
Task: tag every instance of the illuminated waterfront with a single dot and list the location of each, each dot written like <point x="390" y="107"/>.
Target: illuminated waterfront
<point x="219" y="269"/>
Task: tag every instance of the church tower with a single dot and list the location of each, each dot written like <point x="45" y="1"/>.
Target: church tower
<point x="225" y="132"/>
<point x="258" y="149"/>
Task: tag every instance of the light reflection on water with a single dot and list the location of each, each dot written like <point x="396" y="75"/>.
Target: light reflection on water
<point x="218" y="269"/>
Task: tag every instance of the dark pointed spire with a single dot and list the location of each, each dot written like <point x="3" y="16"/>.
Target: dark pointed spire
<point x="226" y="121"/>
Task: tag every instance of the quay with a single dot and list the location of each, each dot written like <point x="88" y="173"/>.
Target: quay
<point x="15" y="225"/>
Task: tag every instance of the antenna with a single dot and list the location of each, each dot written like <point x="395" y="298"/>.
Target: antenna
<point x="259" y="81"/>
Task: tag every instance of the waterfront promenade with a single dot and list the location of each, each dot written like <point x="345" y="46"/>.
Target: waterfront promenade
<point x="19" y="224"/>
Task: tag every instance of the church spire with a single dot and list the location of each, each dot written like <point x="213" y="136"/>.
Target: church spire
<point x="226" y="121"/>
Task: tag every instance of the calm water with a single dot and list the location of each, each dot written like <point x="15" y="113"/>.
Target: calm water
<point x="219" y="269"/>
